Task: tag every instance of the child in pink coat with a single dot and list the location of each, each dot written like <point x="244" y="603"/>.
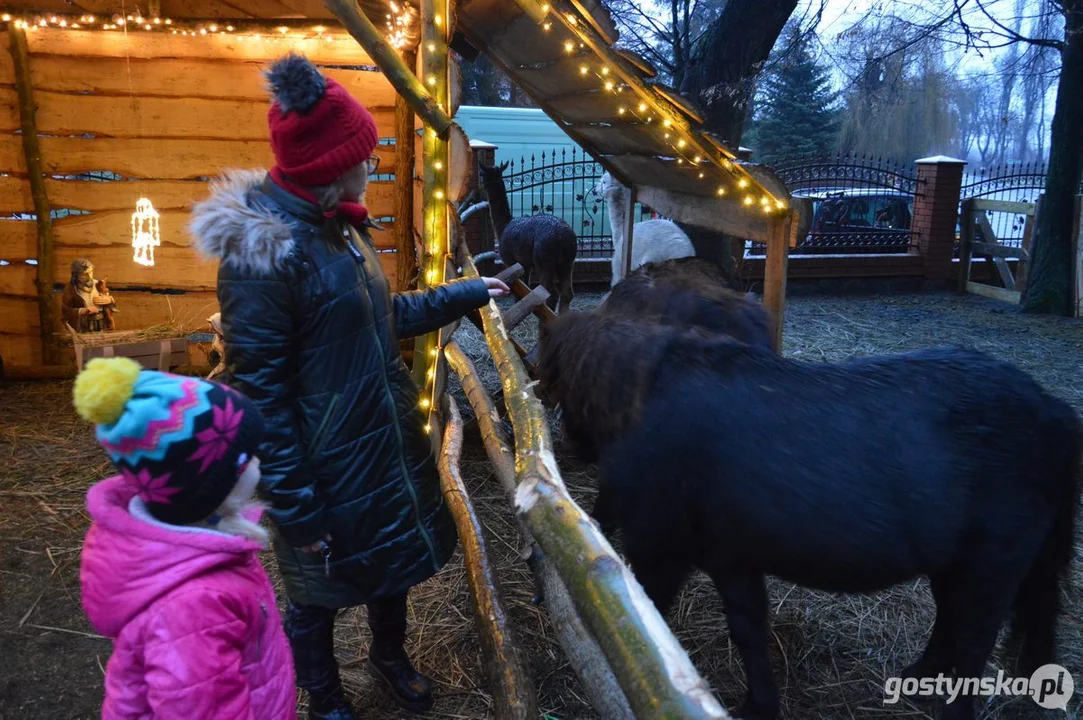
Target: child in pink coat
<point x="170" y="568"/>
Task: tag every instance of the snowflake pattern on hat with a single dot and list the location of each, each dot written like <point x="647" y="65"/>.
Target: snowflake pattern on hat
<point x="219" y="436"/>
<point x="151" y="489"/>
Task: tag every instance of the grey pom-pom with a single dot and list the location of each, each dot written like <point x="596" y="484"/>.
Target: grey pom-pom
<point x="295" y="83"/>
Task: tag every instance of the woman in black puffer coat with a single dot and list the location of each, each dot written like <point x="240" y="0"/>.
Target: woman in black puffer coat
<point x="311" y="333"/>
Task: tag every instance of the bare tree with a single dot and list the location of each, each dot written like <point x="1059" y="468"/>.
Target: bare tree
<point x="903" y="104"/>
<point x="1048" y="287"/>
<point x="713" y="51"/>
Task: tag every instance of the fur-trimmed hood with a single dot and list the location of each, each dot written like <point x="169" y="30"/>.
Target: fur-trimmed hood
<point x="225" y="227"/>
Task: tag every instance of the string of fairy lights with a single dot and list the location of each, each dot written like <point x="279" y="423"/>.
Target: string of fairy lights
<point x="636" y="102"/>
<point x="397" y="25"/>
<point x="434" y="61"/>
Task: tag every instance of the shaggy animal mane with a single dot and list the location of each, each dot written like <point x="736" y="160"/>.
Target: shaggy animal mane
<point x="601" y="369"/>
<point x="688" y="292"/>
<point x="226" y="228"/>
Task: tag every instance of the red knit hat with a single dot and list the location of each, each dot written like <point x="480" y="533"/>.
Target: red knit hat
<point x="318" y="130"/>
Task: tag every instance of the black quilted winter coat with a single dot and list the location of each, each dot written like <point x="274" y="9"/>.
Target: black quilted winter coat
<point x="311" y="334"/>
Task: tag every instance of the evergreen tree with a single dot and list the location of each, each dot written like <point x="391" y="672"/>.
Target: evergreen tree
<point x="795" y="106"/>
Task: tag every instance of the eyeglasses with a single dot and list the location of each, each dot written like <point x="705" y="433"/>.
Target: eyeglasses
<point x="373" y="164"/>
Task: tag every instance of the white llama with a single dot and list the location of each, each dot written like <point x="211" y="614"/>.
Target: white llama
<point x="652" y="240"/>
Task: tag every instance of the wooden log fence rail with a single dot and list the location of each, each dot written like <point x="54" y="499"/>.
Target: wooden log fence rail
<point x="503" y="660"/>
<point x="651" y="667"/>
<point x="579" y="645"/>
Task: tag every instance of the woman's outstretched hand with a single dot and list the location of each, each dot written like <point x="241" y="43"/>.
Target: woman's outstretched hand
<point x="496" y="287"/>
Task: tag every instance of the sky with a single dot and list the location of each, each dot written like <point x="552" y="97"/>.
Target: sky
<point x="841" y="14"/>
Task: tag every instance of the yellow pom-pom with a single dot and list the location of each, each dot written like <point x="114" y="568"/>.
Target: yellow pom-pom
<point x="104" y="387"/>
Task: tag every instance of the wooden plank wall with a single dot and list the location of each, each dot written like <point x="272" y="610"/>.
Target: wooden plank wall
<point x="166" y="113"/>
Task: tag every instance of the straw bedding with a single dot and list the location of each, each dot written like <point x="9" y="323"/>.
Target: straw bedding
<point x="831" y="653"/>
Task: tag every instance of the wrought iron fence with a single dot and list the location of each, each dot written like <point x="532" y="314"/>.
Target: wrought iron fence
<point x="561" y="182"/>
<point x="1015" y="182"/>
<point x="861" y="204"/>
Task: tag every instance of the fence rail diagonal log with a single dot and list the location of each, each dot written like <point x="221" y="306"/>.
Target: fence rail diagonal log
<point x="990" y="237"/>
<point x="652" y="668"/>
<point x="527" y="305"/>
<point x="503" y="659"/>
<point x="408" y="85"/>
<point x="32" y="157"/>
<point x="579" y="645"/>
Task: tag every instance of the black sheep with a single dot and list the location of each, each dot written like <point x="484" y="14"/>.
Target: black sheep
<point x="542" y="242"/>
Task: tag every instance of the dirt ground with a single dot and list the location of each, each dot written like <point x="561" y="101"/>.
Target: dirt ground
<point x="830" y="653"/>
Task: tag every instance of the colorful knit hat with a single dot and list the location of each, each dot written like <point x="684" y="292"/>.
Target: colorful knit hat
<point x="318" y="130"/>
<point x="181" y="442"/>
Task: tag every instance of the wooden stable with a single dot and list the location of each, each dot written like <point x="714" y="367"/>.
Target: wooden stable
<point x="163" y="113"/>
<point x="102" y="111"/>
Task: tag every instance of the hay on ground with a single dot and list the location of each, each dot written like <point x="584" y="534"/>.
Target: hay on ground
<point x="831" y="653"/>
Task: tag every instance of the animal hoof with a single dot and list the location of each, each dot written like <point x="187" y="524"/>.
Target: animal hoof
<point x="751" y="711"/>
<point x="920" y="669"/>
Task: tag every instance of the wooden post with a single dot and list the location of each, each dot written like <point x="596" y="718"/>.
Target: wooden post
<point x="1023" y="266"/>
<point x="966" y="244"/>
<point x="629" y="227"/>
<point x="429" y="106"/>
<point x="776" y="267"/>
<point x="435" y="207"/>
<point x="50" y="352"/>
<point x="405" y="158"/>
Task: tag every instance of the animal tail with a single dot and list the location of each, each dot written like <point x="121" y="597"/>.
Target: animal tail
<point x="1036" y="606"/>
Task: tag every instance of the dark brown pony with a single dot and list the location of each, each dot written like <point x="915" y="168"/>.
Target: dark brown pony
<point x="848" y="477"/>
<point x="686" y="292"/>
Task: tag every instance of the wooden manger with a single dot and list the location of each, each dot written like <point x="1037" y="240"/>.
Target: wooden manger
<point x="164" y="348"/>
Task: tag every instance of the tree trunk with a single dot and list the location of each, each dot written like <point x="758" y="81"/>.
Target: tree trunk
<point x="721" y="76"/>
<point x="1049" y="280"/>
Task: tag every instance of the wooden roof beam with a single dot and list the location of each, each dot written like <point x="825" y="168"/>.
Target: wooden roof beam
<point x="541" y="103"/>
<point x="677" y="118"/>
<point x="391" y="63"/>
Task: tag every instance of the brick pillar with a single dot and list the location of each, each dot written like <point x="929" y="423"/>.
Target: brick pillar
<point x="477" y="230"/>
<point x="936" y="211"/>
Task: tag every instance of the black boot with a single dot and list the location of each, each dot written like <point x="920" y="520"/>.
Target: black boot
<point x="329" y="705"/>
<point x="387" y="660"/>
<point x="311" y="634"/>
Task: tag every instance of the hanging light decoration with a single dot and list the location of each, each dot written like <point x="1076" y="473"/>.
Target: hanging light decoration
<point x="145" y="235"/>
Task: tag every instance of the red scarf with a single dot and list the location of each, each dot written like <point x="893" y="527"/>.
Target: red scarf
<point x="354" y="213"/>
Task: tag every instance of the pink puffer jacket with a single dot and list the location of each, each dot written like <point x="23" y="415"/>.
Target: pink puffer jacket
<point x="196" y="632"/>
